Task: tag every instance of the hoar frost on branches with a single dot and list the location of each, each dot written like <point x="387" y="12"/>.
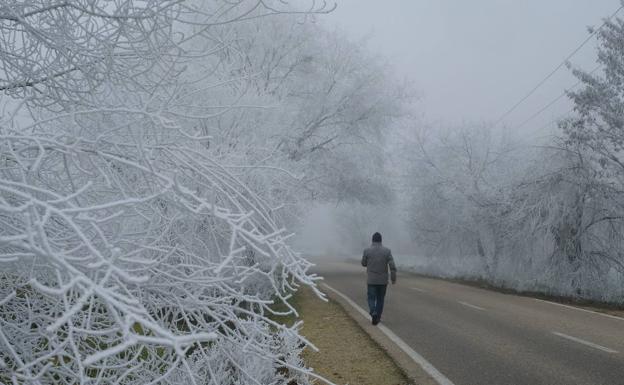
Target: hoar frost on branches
<point x="542" y="218"/>
<point x="128" y="254"/>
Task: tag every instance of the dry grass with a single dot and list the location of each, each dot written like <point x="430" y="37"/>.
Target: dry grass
<point x="347" y="354"/>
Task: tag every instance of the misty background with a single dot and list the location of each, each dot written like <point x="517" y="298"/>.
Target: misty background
<point x="471" y="61"/>
<point x="494" y="87"/>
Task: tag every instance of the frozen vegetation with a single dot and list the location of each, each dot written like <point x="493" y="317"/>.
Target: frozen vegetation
<point x="153" y="155"/>
<point x="544" y="216"/>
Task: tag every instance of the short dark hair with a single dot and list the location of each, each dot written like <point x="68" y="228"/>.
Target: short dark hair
<point x="377" y="238"/>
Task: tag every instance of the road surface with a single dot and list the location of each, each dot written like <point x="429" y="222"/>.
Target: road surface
<point x="475" y="336"/>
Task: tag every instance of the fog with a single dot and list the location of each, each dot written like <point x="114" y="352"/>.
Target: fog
<point x="466" y="62"/>
<point x="170" y="169"/>
<point x="472" y="60"/>
<point x="497" y="166"/>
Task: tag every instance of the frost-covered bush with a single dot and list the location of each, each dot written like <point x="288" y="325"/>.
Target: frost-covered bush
<point x="129" y="253"/>
<point x="245" y="368"/>
<point x="122" y="253"/>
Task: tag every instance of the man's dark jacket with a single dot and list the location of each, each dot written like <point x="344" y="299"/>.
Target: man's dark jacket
<point x="377" y="259"/>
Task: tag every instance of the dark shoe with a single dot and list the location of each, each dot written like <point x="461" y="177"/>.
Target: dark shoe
<point x="375" y="320"/>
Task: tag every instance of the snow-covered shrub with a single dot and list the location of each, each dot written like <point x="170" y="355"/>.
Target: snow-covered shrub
<point x="119" y="258"/>
<point x="128" y="253"/>
<point x="246" y="368"/>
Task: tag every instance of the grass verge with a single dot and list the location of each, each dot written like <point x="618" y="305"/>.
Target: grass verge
<point x="347" y="353"/>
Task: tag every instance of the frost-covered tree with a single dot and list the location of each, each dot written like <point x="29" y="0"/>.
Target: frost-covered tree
<point x="594" y="138"/>
<point x="336" y="105"/>
<point x="129" y="253"/>
<point x="545" y="217"/>
<point x="457" y="181"/>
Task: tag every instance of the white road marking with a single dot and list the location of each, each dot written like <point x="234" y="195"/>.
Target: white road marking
<point x="471" y="305"/>
<point x="418" y="289"/>
<point x="581" y="309"/>
<point x="420" y="360"/>
<point x="586" y="343"/>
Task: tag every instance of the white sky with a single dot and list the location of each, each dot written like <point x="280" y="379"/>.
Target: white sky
<point x="472" y="60"/>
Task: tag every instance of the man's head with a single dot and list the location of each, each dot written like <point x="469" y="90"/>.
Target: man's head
<point x="376" y="238"/>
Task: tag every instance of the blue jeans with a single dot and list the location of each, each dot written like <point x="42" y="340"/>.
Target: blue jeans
<point x="376" y="295"/>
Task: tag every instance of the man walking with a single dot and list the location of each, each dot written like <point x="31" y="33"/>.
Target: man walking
<point x="377" y="259"/>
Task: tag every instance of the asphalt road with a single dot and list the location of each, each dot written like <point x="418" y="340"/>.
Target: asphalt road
<point x="475" y="336"/>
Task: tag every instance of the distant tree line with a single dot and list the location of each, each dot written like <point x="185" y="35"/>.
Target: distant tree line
<point x="545" y="216"/>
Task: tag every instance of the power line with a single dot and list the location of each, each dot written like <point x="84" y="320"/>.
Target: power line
<point x="557" y="68"/>
<point x="557" y="119"/>
<point x="552" y="102"/>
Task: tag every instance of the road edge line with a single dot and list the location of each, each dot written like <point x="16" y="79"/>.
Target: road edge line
<point x="580" y="309"/>
<point x="431" y="370"/>
<point x="585" y="342"/>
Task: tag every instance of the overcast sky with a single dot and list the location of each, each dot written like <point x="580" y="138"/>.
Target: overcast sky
<point x="472" y="60"/>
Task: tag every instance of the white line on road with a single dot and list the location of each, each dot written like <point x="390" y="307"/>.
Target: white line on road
<point x="420" y="360"/>
<point x="418" y="289"/>
<point x="581" y="309"/>
<point x="586" y="343"/>
<point x="471" y="305"/>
